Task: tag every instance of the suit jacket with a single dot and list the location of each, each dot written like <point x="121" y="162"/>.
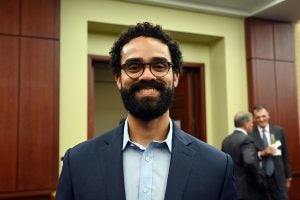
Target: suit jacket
<point x="250" y="179"/>
<point x="281" y="163"/>
<point x="94" y="170"/>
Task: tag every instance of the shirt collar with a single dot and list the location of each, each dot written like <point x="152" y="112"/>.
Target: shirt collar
<point x="168" y="140"/>
<point x="241" y="130"/>
<point x="267" y="129"/>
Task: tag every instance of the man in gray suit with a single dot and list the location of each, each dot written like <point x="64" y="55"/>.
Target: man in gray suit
<point x="272" y="146"/>
<point x="250" y="179"/>
<point x="146" y="157"/>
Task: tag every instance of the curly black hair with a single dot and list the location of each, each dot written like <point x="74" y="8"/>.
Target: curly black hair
<point x="148" y="30"/>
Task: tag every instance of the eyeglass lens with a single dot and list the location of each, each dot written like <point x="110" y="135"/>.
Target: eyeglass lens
<point x="135" y="69"/>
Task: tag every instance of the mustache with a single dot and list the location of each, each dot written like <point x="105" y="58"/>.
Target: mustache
<point x="146" y="84"/>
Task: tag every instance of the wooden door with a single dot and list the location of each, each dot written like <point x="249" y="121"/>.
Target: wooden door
<point x="188" y="107"/>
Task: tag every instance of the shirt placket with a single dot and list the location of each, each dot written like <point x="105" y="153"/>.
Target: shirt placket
<point x="145" y="186"/>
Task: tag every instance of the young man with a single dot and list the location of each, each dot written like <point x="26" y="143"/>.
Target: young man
<point x="250" y="179"/>
<point x="147" y="156"/>
<point x="270" y="140"/>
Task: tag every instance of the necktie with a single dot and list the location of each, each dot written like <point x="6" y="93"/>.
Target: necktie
<point x="268" y="161"/>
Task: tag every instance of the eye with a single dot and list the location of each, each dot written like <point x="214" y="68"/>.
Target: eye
<point x="133" y="67"/>
<point x="160" y="66"/>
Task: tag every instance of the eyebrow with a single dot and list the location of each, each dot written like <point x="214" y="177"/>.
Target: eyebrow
<point x="154" y="59"/>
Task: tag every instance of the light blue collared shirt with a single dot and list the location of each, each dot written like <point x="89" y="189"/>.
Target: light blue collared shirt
<point x="146" y="169"/>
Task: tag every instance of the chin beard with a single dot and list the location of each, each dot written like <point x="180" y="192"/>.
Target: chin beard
<point x="147" y="108"/>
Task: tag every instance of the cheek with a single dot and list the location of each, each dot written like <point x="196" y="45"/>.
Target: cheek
<point x="122" y="81"/>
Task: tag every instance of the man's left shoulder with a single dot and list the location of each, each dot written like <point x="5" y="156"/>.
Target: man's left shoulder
<point x="206" y="151"/>
<point x="276" y="128"/>
<point x="200" y="148"/>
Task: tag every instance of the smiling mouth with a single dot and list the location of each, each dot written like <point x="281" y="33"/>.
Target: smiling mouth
<point x="148" y="92"/>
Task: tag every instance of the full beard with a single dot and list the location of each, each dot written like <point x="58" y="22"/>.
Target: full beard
<point x="147" y="108"/>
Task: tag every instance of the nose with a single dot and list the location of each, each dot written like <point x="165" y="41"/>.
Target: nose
<point x="147" y="74"/>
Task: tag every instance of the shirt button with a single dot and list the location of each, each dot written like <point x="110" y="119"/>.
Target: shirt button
<point x="147" y="159"/>
<point x="145" y="190"/>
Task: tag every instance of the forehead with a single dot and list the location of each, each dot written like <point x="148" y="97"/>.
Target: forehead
<point x="144" y="48"/>
<point x="261" y="112"/>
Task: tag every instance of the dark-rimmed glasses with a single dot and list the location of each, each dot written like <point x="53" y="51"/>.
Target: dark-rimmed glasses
<point x="135" y="69"/>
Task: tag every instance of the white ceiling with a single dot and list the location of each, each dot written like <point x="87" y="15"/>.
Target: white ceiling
<point x="283" y="10"/>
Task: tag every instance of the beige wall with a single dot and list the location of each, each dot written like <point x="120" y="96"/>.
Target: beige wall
<point x="218" y="42"/>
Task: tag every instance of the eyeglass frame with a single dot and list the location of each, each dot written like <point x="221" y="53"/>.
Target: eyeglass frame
<point x="150" y="64"/>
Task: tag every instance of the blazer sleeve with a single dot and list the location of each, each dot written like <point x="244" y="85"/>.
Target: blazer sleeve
<point x="64" y="188"/>
<point x="251" y="162"/>
<point x="285" y="157"/>
<point x="229" y="188"/>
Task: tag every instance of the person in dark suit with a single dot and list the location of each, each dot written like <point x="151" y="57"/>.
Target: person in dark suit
<point x="273" y="150"/>
<point x="250" y="179"/>
<point x="147" y="156"/>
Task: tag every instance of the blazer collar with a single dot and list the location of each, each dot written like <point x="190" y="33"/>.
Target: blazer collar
<point x="112" y="160"/>
<point x="181" y="163"/>
<point x="180" y="166"/>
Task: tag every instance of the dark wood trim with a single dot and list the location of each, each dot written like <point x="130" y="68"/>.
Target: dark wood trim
<point x="56" y="113"/>
<point x="90" y="118"/>
<point x="90" y="100"/>
<point x="40" y="194"/>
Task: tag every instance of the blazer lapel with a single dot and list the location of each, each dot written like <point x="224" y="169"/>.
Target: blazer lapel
<point x="113" y="165"/>
<point x="273" y="132"/>
<point x="180" y="166"/>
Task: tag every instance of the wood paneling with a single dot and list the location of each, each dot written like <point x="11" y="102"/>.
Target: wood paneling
<point x="40" y="18"/>
<point x="259" y="33"/>
<point x="287" y="102"/>
<point x="37" y="115"/>
<point x="9" y="16"/>
<point x="8" y="111"/>
<point x="294" y="190"/>
<point x="283" y="42"/>
<point x="29" y="74"/>
<point x="263" y="84"/>
<point x="272" y="82"/>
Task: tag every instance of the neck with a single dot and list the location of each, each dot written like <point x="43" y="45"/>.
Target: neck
<point x="143" y="132"/>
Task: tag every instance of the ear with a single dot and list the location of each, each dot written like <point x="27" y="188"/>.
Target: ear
<point x="118" y="80"/>
<point x="175" y="78"/>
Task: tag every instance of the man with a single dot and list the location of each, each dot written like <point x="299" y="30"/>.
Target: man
<point x="147" y="156"/>
<point x="270" y="140"/>
<point x="250" y="180"/>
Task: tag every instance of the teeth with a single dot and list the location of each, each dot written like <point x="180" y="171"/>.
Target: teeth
<point x="147" y="90"/>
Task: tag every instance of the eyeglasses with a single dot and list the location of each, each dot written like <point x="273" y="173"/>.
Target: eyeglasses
<point x="135" y="69"/>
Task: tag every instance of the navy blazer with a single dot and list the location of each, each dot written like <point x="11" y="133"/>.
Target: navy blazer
<point x="93" y="170"/>
<point x="282" y="169"/>
<point x="250" y="179"/>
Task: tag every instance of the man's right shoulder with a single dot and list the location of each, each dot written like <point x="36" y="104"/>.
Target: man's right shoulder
<point x="98" y="143"/>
